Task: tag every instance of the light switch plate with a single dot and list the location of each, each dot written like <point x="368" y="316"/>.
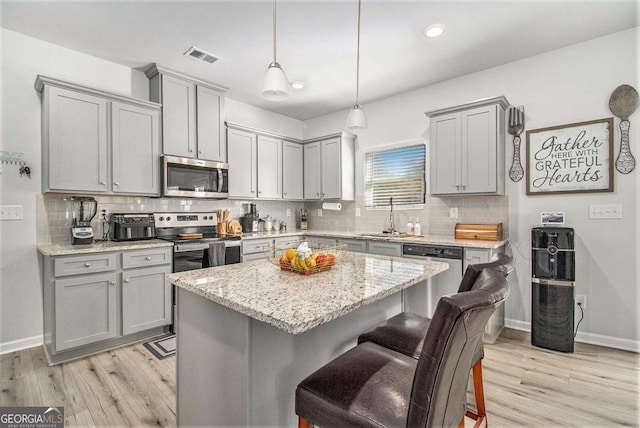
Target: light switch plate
<point x="288" y="212"/>
<point x="605" y="212"/>
<point x="319" y="212"/>
<point x="11" y="212"/>
<point x="453" y="212"/>
<point x="358" y="212"/>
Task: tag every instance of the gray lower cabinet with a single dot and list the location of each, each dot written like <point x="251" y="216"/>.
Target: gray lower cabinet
<point x="96" y="301"/>
<point x="354" y="245"/>
<point x="85" y="309"/>
<point x="146" y="299"/>
<point x="253" y="249"/>
<point x="384" y="248"/>
<point x="97" y="142"/>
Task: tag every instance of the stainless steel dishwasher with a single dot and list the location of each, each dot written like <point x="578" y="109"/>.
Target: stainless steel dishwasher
<point x="423" y="300"/>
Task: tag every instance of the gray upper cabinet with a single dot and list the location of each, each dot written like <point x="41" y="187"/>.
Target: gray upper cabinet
<point x="192" y="112"/>
<point x="292" y="171"/>
<point x="97" y="142"/>
<point x="467" y="148"/>
<point x="269" y="168"/>
<point x="329" y="168"/>
<point x="75" y="136"/>
<point x="135" y="137"/>
<point x="243" y="164"/>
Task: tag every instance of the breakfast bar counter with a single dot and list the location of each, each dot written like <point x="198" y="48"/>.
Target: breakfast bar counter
<point x="249" y="333"/>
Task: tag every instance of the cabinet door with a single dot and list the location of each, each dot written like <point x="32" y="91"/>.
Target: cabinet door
<point x="135" y="136"/>
<point x="292" y="170"/>
<point x="178" y="117"/>
<point x="331" y="174"/>
<point x="384" y="249"/>
<point x="473" y="256"/>
<point x="479" y="150"/>
<point x="242" y="164"/>
<point x="354" y="245"/>
<point x="85" y="310"/>
<point x="76" y="132"/>
<point x="269" y="168"/>
<point x="312" y="171"/>
<point x="146" y="299"/>
<point x="211" y="142"/>
<point x="445" y="152"/>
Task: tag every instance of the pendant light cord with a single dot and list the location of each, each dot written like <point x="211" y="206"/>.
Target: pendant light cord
<point x="274" y="31"/>
<point x="358" y="58"/>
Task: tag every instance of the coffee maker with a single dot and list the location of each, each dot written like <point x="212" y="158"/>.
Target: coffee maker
<point x="84" y="209"/>
<point x="249" y="221"/>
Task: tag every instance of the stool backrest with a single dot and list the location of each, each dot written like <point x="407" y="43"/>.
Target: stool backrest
<point x="438" y="396"/>
<point x="503" y="264"/>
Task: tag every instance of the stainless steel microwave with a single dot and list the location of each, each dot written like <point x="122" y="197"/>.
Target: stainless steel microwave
<point x="194" y="178"/>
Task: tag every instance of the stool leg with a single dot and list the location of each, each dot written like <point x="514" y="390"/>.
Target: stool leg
<point x="478" y="389"/>
<point x="303" y="423"/>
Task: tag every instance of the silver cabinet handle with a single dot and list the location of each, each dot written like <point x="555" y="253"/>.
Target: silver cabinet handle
<point x="87" y="265"/>
<point x="317" y="194"/>
<point x="190" y="150"/>
<point x="126" y="281"/>
<point x="200" y="151"/>
<point x="112" y="283"/>
<point x="147" y="258"/>
<point x="104" y="183"/>
<point x="115" y="183"/>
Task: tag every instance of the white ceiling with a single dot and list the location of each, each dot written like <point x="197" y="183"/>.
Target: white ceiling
<point x="317" y="40"/>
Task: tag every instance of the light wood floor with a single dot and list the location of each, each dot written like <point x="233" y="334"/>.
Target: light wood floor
<point x="524" y="386"/>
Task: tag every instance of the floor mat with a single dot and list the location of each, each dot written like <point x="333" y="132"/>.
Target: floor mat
<point x="162" y="348"/>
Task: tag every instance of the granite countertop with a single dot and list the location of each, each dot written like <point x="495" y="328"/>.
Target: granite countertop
<point x="297" y="303"/>
<point x="426" y="239"/>
<point x="100" y="247"/>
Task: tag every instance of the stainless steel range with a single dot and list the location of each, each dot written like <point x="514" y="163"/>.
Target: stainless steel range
<point x="192" y="234"/>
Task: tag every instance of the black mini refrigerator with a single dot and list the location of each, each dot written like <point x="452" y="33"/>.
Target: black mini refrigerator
<point x="553" y="283"/>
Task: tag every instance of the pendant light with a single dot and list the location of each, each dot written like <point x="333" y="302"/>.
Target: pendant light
<point x="357" y="120"/>
<point x="275" y="85"/>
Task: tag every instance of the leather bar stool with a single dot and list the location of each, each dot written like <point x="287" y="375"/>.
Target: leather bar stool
<point x="405" y="332"/>
<point x="373" y="386"/>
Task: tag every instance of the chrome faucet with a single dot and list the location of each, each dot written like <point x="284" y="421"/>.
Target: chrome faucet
<point x="391" y="228"/>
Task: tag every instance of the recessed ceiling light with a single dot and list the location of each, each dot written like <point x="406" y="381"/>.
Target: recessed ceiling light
<point x="297" y="84"/>
<point x="434" y="30"/>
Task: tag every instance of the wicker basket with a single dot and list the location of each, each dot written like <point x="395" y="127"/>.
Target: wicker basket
<point x="322" y="258"/>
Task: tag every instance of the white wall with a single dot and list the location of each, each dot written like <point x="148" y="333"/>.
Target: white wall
<point x="564" y="86"/>
<point x="255" y="117"/>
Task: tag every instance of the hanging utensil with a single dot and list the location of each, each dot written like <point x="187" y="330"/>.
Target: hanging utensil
<point x="515" y="128"/>
<point x="622" y="103"/>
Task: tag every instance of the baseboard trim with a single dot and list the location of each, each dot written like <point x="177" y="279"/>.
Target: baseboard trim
<point x="590" y="338"/>
<point x="20" y="344"/>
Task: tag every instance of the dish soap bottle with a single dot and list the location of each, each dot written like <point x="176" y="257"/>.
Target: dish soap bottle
<point x="410" y="227"/>
<point x="417" y="229"/>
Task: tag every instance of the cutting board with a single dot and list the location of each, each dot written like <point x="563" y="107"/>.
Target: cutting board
<point x="482" y="232"/>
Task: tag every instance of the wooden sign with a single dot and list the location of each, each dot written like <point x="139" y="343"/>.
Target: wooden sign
<point x="570" y="158"/>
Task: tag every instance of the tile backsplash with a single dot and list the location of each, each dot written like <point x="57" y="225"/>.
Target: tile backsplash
<point x="54" y="216"/>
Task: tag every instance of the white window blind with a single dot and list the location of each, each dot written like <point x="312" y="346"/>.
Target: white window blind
<point x="395" y="173"/>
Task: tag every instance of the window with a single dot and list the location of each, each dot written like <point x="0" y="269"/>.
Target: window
<point x="397" y="173"/>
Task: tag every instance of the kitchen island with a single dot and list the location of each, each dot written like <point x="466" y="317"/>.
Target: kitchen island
<point x="249" y="333"/>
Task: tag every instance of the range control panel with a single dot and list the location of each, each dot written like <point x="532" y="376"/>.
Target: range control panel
<point x="185" y="219"/>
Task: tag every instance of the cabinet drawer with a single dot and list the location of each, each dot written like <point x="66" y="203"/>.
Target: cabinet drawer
<point x="255" y="246"/>
<point x="143" y="258"/>
<point x="77" y="265"/>
<point x="384" y="249"/>
<point x="354" y="245"/>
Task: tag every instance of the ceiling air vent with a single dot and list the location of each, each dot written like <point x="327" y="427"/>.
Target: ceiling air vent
<point x="199" y="54"/>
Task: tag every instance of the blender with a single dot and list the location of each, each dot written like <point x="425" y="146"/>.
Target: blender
<point x="84" y="209"/>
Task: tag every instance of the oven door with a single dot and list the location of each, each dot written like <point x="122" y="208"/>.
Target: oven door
<point x="185" y="259"/>
<point x="194" y="178"/>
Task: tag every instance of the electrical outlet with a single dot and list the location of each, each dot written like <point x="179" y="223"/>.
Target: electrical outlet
<point x="319" y="212"/>
<point x="11" y="212"/>
<point x="358" y="213"/>
<point x="453" y="212"/>
<point x="581" y="300"/>
<point x="600" y="212"/>
<point x="288" y="212"/>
